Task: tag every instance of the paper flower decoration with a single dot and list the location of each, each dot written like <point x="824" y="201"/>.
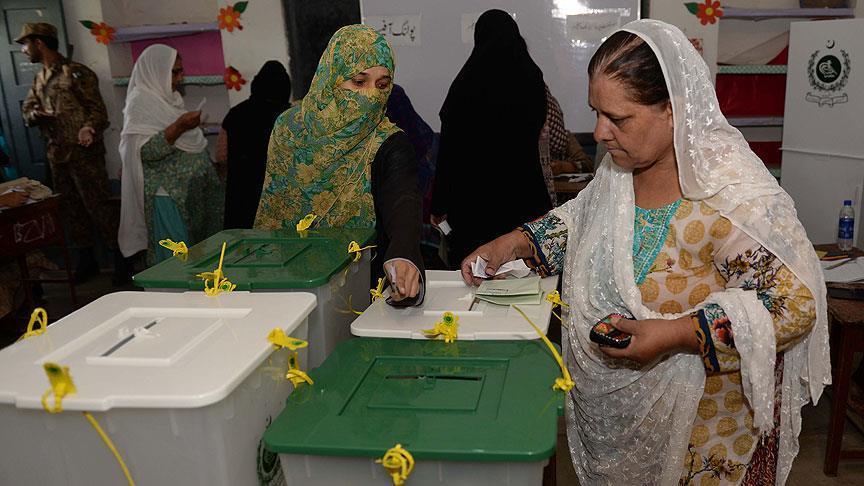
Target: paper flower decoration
<point x="103" y="32"/>
<point x="233" y="78"/>
<point x="229" y="17"/>
<point x="707" y="12"/>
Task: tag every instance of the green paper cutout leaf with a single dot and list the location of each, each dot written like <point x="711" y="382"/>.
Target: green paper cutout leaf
<point x="240" y="7"/>
<point x="692" y="7"/>
<point x="87" y="23"/>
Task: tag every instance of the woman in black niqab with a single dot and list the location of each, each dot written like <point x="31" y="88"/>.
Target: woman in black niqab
<point x="489" y="179"/>
<point x="248" y="126"/>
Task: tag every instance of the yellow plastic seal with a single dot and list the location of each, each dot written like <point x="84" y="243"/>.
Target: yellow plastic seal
<point x="378" y="291"/>
<point x="278" y="338"/>
<point x="447" y="328"/>
<point x="281" y="340"/>
<point x="61" y="385"/>
<point x="295" y="374"/>
<point x="219" y="282"/>
<point x="40" y="317"/>
<point x="555" y="299"/>
<point x="304" y="224"/>
<point x="565" y="383"/>
<point x="177" y="249"/>
<point x="399" y="463"/>
<point x="354" y="248"/>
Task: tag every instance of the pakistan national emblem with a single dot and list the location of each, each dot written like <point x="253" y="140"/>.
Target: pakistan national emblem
<point x="828" y="73"/>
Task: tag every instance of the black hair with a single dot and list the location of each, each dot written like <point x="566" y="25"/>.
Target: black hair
<point x="628" y="58"/>
<point x="50" y="42"/>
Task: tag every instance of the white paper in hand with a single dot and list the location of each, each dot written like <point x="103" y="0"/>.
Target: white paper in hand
<point x="515" y="269"/>
<point x="200" y="104"/>
<point x="444" y="227"/>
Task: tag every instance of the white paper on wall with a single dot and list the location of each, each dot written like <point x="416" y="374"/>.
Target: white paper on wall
<point x="399" y="30"/>
<point x="592" y="27"/>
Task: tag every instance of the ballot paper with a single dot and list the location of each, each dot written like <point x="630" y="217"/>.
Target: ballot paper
<point x="200" y="104"/>
<point x="511" y="291"/>
<point x="851" y="271"/>
<point x="444" y="227"/>
<point x="515" y="269"/>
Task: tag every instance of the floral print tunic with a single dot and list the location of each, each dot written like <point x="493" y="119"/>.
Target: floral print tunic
<point x="192" y="183"/>
<point x="683" y="252"/>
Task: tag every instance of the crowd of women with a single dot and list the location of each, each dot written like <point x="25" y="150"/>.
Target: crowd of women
<point x="683" y="236"/>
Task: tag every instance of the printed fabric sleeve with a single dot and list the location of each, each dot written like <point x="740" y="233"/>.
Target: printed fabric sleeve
<point x="747" y="265"/>
<point x="156" y="148"/>
<point x="548" y="238"/>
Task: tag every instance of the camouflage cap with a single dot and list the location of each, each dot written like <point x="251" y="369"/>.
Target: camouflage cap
<point x="36" y="28"/>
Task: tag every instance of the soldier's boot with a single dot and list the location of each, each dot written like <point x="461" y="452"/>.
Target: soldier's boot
<point x="88" y="267"/>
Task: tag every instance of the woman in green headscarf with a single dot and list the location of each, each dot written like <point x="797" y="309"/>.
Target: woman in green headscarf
<point x="336" y="155"/>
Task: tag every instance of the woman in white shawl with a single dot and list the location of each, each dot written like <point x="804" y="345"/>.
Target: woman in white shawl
<point x="687" y="235"/>
<point x="169" y="186"/>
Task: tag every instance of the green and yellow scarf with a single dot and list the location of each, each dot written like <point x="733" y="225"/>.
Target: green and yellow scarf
<point x="321" y="151"/>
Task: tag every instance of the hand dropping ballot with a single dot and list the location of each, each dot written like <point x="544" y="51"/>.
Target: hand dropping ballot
<point x="515" y="269"/>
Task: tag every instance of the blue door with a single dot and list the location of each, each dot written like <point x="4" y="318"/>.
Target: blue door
<point x="16" y="77"/>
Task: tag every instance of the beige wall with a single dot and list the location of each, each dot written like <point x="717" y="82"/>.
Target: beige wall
<point x="263" y="38"/>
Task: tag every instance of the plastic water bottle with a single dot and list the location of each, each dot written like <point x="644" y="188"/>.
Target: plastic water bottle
<point x="846" y="226"/>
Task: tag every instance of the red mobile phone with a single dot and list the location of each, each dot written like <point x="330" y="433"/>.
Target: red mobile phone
<point x="605" y="334"/>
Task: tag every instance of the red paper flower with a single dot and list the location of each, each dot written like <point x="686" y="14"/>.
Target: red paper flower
<point x="103" y="32"/>
<point x="707" y="12"/>
<point x="229" y="17"/>
<point x="233" y="78"/>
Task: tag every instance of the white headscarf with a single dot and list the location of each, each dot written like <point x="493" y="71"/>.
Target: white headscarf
<point x="632" y="426"/>
<point x="151" y="105"/>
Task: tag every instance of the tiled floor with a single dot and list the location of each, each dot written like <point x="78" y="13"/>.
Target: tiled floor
<point x="806" y="471"/>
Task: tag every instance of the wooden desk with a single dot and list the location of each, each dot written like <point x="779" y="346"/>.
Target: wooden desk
<point x="846" y="324"/>
<point x="31" y="227"/>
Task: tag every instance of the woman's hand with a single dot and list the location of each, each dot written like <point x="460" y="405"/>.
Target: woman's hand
<point x="506" y="248"/>
<point x="653" y="338"/>
<point x="436" y="219"/>
<point x="185" y="122"/>
<point x="189" y="120"/>
<point x="404" y="279"/>
<point x="85" y="136"/>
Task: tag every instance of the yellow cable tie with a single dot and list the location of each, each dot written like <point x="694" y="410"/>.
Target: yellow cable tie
<point x="220" y="282"/>
<point x="107" y="440"/>
<point x="294" y="373"/>
<point x="38" y="316"/>
<point x="399" y="463"/>
<point x="278" y="338"/>
<point x="354" y="248"/>
<point x="378" y="292"/>
<point x="61" y="385"/>
<point x="176" y="248"/>
<point x="447" y="327"/>
<point x="555" y="298"/>
<point x="564" y="383"/>
<point x="304" y="224"/>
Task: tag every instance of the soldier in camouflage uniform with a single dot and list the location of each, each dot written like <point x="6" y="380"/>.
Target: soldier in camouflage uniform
<point x="64" y="102"/>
